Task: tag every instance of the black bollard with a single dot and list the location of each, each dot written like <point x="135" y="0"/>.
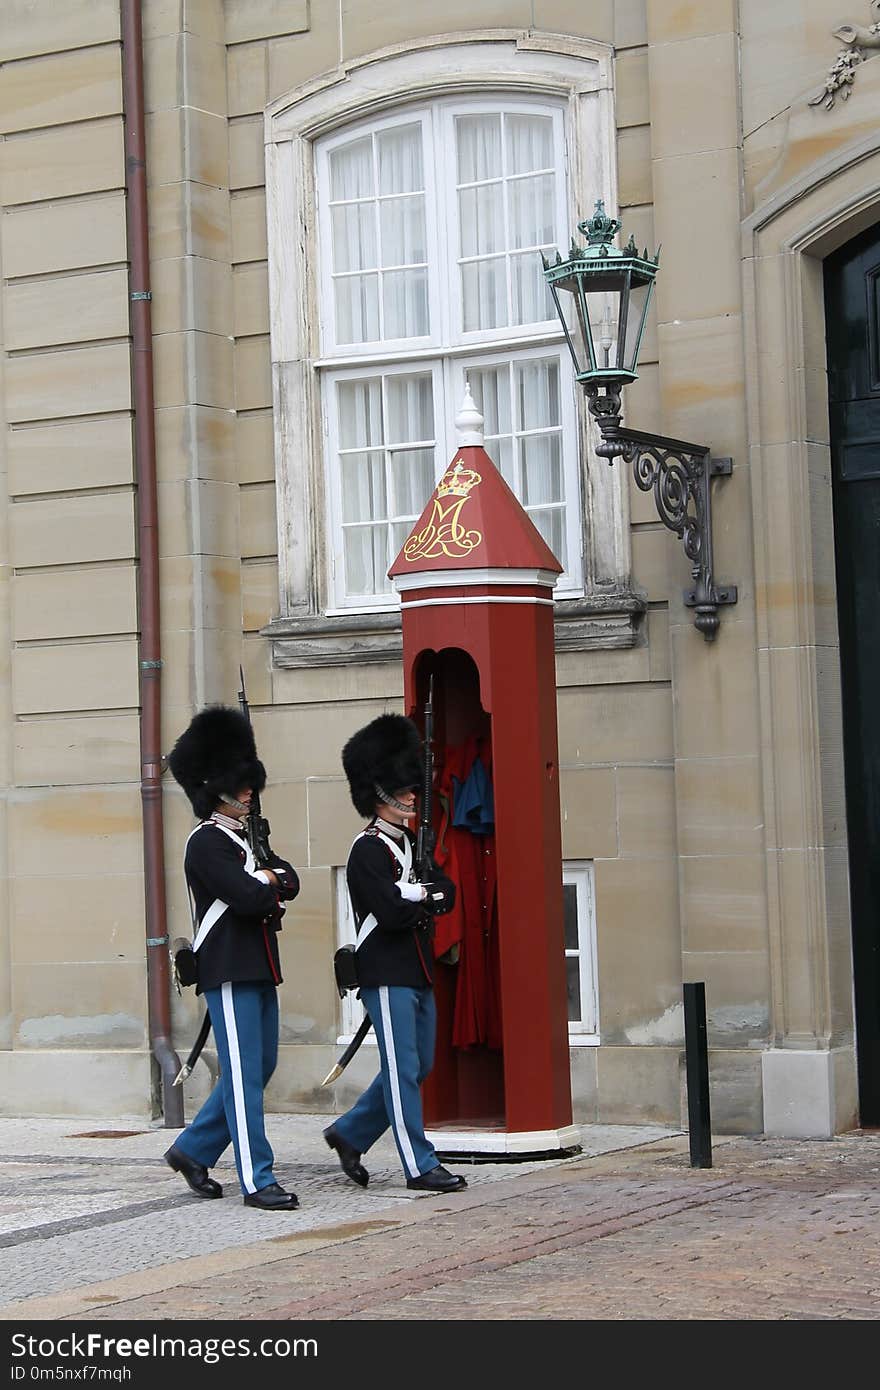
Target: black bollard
<point x="696" y="1054"/>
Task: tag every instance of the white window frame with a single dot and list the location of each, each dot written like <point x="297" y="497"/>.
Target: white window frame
<point x="338" y="601"/>
<point x="579" y="73"/>
<point x="579" y="873"/>
<point x="448" y="375"/>
<point x="388" y="347"/>
<point x="446" y="112"/>
<point x="437" y="122"/>
<point x="571" y="583"/>
<point x="447" y="336"/>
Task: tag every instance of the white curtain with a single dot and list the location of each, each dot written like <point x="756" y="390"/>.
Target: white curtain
<point x="410" y="409"/>
<point x="386" y="470"/>
<point x="506" y="211"/>
<point x="520" y="405"/>
<point x="379" y="252"/>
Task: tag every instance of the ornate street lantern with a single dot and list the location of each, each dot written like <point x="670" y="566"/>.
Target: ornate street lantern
<point x="603" y="311"/>
<point x="611" y="292"/>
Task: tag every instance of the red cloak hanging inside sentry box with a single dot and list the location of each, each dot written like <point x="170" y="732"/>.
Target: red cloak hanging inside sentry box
<point x="475" y="579"/>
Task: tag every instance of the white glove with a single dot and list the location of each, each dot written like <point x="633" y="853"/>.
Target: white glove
<point x="412" y="892"/>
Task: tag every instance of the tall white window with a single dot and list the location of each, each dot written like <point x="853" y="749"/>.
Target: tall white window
<point x="579" y="908"/>
<point x="431" y="226"/>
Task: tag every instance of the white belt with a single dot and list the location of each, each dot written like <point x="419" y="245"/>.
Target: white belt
<point x="218" y="906"/>
<point x="404" y="859"/>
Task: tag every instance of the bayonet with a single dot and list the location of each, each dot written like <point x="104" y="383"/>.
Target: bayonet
<point x="343" y="961"/>
<point x="425" y="838"/>
<point x="256" y="826"/>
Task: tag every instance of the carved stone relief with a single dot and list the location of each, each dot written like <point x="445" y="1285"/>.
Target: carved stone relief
<point x="857" y="40"/>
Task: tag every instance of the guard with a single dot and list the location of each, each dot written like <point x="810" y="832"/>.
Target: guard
<point x="237" y="910"/>
<point x="394" y="917"/>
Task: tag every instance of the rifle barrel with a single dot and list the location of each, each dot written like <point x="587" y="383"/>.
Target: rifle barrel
<point x="256" y="826"/>
<point x="425" y="837"/>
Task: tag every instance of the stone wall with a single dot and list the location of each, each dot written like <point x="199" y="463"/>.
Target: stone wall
<point x="72" y="933"/>
<point x="670" y="750"/>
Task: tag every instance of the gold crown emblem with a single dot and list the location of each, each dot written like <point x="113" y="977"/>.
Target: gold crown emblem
<point x="457" y="481"/>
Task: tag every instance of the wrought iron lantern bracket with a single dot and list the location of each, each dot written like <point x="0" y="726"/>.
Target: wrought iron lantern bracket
<point x="610" y="293"/>
<point x="680" y="475"/>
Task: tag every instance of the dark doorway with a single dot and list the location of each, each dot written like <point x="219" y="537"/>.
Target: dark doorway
<point x="465" y="1089"/>
<point x="852" y="316"/>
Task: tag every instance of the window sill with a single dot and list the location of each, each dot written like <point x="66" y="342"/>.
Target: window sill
<point x="343" y="640"/>
<point x="582" y="624"/>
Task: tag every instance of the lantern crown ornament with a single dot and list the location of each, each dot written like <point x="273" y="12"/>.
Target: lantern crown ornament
<point x="601" y="229"/>
<point x="611" y="291"/>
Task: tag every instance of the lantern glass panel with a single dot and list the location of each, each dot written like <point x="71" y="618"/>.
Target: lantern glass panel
<point x="574" y="311"/>
<point x="635" y="319"/>
<point x="603" y="302"/>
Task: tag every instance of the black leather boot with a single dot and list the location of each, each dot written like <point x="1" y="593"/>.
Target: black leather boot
<point x="349" y="1158"/>
<point x="196" y="1174"/>
<point x="437" y="1180"/>
<point x="272" y="1198"/>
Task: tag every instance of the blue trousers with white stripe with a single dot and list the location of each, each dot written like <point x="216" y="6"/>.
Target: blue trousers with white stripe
<point x="244" y="1018"/>
<point x="405" y="1021"/>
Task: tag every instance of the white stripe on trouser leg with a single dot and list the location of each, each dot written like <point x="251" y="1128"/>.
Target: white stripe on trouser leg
<point x="400" y="1129"/>
<point x="244" y="1147"/>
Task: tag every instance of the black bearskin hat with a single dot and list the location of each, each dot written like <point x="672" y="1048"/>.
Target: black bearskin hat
<point x="387" y="754"/>
<point x="216" y="755"/>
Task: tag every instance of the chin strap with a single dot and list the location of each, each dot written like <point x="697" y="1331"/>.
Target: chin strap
<point x="392" y="801"/>
<point x="231" y="801"/>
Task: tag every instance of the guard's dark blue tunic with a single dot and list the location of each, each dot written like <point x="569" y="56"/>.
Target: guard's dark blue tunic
<point x="395" y="972"/>
<point x="238" y="915"/>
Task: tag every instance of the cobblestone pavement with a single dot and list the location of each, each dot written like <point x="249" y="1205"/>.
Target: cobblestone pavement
<point x="89" y="1203"/>
<point x="775" y="1230"/>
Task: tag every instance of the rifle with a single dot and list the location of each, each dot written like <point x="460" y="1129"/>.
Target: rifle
<point x="425" y="838"/>
<point x="343" y="961"/>
<point x="256" y="827"/>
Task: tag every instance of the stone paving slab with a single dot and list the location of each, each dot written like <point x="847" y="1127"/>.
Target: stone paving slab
<point x="84" y="1202"/>
<point x="775" y="1230"/>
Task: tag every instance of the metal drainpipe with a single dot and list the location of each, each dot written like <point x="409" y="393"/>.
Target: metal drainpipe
<point x="150" y="662"/>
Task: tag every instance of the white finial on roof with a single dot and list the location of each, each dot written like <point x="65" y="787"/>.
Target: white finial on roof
<point x="469" y="421"/>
